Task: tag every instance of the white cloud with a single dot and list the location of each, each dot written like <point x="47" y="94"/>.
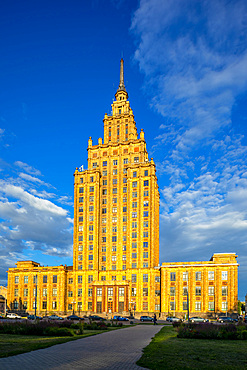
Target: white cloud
<point x="29" y="169"/>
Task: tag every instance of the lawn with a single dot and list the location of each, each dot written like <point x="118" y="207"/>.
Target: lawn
<point x="11" y="344"/>
<point x="166" y="351"/>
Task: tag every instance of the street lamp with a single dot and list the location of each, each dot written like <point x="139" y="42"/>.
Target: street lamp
<point x="74" y="306"/>
<point x="36" y="288"/>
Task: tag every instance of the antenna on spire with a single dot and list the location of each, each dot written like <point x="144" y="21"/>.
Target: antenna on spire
<point x="121" y="86"/>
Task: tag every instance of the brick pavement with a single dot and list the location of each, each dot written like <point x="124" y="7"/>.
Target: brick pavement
<point x="114" y="350"/>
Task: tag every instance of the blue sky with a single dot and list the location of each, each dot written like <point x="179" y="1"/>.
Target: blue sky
<point x="186" y="75"/>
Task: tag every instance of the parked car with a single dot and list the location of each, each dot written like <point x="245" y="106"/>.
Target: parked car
<point x="96" y="317"/>
<point x="33" y="317"/>
<point x="146" y="318"/>
<point x="120" y="318"/>
<point x="12" y="315"/>
<point x="75" y="317"/>
<point x="55" y="317"/>
<point x="226" y="319"/>
<point x="245" y="319"/>
<point x="173" y="319"/>
<point x="198" y="319"/>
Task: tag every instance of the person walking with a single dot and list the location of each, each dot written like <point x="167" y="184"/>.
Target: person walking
<point x="155" y="319"/>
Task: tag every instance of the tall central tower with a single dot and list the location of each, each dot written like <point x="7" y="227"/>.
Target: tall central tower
<point x="116" y="218"/>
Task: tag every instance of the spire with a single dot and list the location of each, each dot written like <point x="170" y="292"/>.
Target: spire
<point x="121" y="86"/>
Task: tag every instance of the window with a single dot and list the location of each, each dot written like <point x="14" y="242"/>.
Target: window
<point x="90" y="257"/>
<point x="145" y="194"/>
<point x="124" y="209"/>
<point x="114" y="200"/>
<point x="104" y="182"/>
<point x="134" y="255"/>
<point x="146" y="173"/>
<point x="185" y="276"/>
<point x="103" y="258"/>
<point x="136" y="159"/>
<point x="81" y="219"/>
<point x="104" y="163"/>
<point x="114" y="278"/>
<point x="90" y="237"/>
<point x="211" y="306"/>
<point x="114" y="239"/>
<point x="103" y="268"/>
<point x="125" y="161"/>
<point x="198" y="276"/>
<point x="125" y="171"/>
<point x="90" y="306"/>
<point x="211" y="290"/>
<point x="103" y="249"/>
<point x="134" y="174"/>
<point x="157" y="279"/>
<point x="104" y="191"/>
<point x="134" y="235"/>
<point x="103" y="210"/>
<point x="114" y="209"/>
<point x="224" y="275"/>
<point x="91" y="208"/>
<point x="104" y="173"/>
<point x="114" y="229"/>
<point x="198" y="290"/>
<point x="70" y="306"/>
<point x="185" y="306"/>
<point x="17" y="280"/>
<point x="16" y="305"/>
<point x="79" y="267"/>
<point x="124" y="247"/>
<point x="210" y="275"/>
<point x="91" y="189"/>
<point x="81" y="180"/>
<point x="198" y="306"/>
<point x="80" y="257"/>
<point x="134" y="194"/>
<point x="90" y="278"/>
<point x="173" y="276"/>
<point x="134" y="184"/>
<point x="172" y="306"/>
<point x="44" y="279"/>
<point x="80" y="209"/>
<point x="124" y="257"/>
<point x="44" y="292"/>
<point x="124" y="180"/>
<point x="133" y="278"/>
<point x="185" y="290"/>
<point x="145" y="254"/>
<point x="70" y="281"/>
<point x="115" y="162"/>
<point x="145" y="234"/>
<point x="145" y="203"/>
<point x="110" y="292"/>
<point x="145" y="214"/>
<point x="146" y="182"/>
<point x="114" y="258"/>
<point x="114" y="219"/>
<point x="80" y="238"/>
<point x="134" y="265"/>
<point x="224" y="306"/>
<point x="99" y="292"/>
<point x="79" y="293"/>
<point x="124" y="218"/>
<point x="145" y="278"/>
<point x="103" y="239"/>
<point x="124" y="228"/>
<point x="81" y="199"/>
<point x="224" y="291"/>
<point x="54" y="279"/>
<point x="157" y="293"/>
<point x="134" y="204"/>
<point x="121" y="292"/>
<point x="25" y="292"/>
<point x="90" y="228"/>
<point x="91" y="178"/>
<point x="124" y="190"/>
<point x="44" y="305"/>
<point x="172" y="291"/>
<point x="133" y="292"/>
<point x="114" y="172"/>
<point x="145" y="244"/>
<point x="81" y="190"/>
<point x="123" y="277"/>
<point x="79" y="279"/>
<point x="134" y="245"/>
<point x="80" y="229"/>
<point x="145" y="306"/>
<point x="145" y="223"/>
<point x="17" y="292"/>
<point x="114" y="191"/>
<point x="145" y="292"/>
<point x="134" y="214"/>
<point x="54" y="305"/>
<point x="95" y="164"/>
<point x="103" y="278"/>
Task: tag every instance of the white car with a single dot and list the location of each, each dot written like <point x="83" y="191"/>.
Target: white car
<point x="198" y="319"/>
<point x="12" y="315"/>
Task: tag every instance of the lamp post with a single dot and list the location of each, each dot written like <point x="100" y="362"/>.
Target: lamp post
<point x="73" y="306"/>
<point x="36" y="289"/>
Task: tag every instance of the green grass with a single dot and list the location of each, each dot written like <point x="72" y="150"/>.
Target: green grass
<point x="11" y="344"/>
<point x="166" y="351"/>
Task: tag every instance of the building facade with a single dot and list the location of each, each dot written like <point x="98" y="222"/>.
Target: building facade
<point x="116" y="239"/>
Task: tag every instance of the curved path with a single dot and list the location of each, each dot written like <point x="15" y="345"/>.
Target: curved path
<point x="118" y="349"/>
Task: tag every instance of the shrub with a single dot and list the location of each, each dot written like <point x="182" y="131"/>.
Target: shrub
<point x="212" y="331"/>
<point x="58" y="332"/>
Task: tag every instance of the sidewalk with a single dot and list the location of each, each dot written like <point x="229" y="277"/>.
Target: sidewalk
<point x="118" y="349"/>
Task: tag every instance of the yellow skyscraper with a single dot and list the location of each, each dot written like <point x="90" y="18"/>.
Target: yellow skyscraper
<point x="116" y="241"/>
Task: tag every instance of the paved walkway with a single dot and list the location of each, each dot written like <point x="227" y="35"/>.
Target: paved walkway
<point x="118" y="349"/>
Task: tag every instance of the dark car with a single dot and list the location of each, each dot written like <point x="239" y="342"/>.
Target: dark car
<point x="96" y="317"/>
<point x="146" y="318"/>
<point x="55" y="317"/>
<point x="245" y="319"/>
<point x="225" y="319"/>
<point x="74" y="317"/>
<point x="33" y="317"/>
<point x="120" y="318"/>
